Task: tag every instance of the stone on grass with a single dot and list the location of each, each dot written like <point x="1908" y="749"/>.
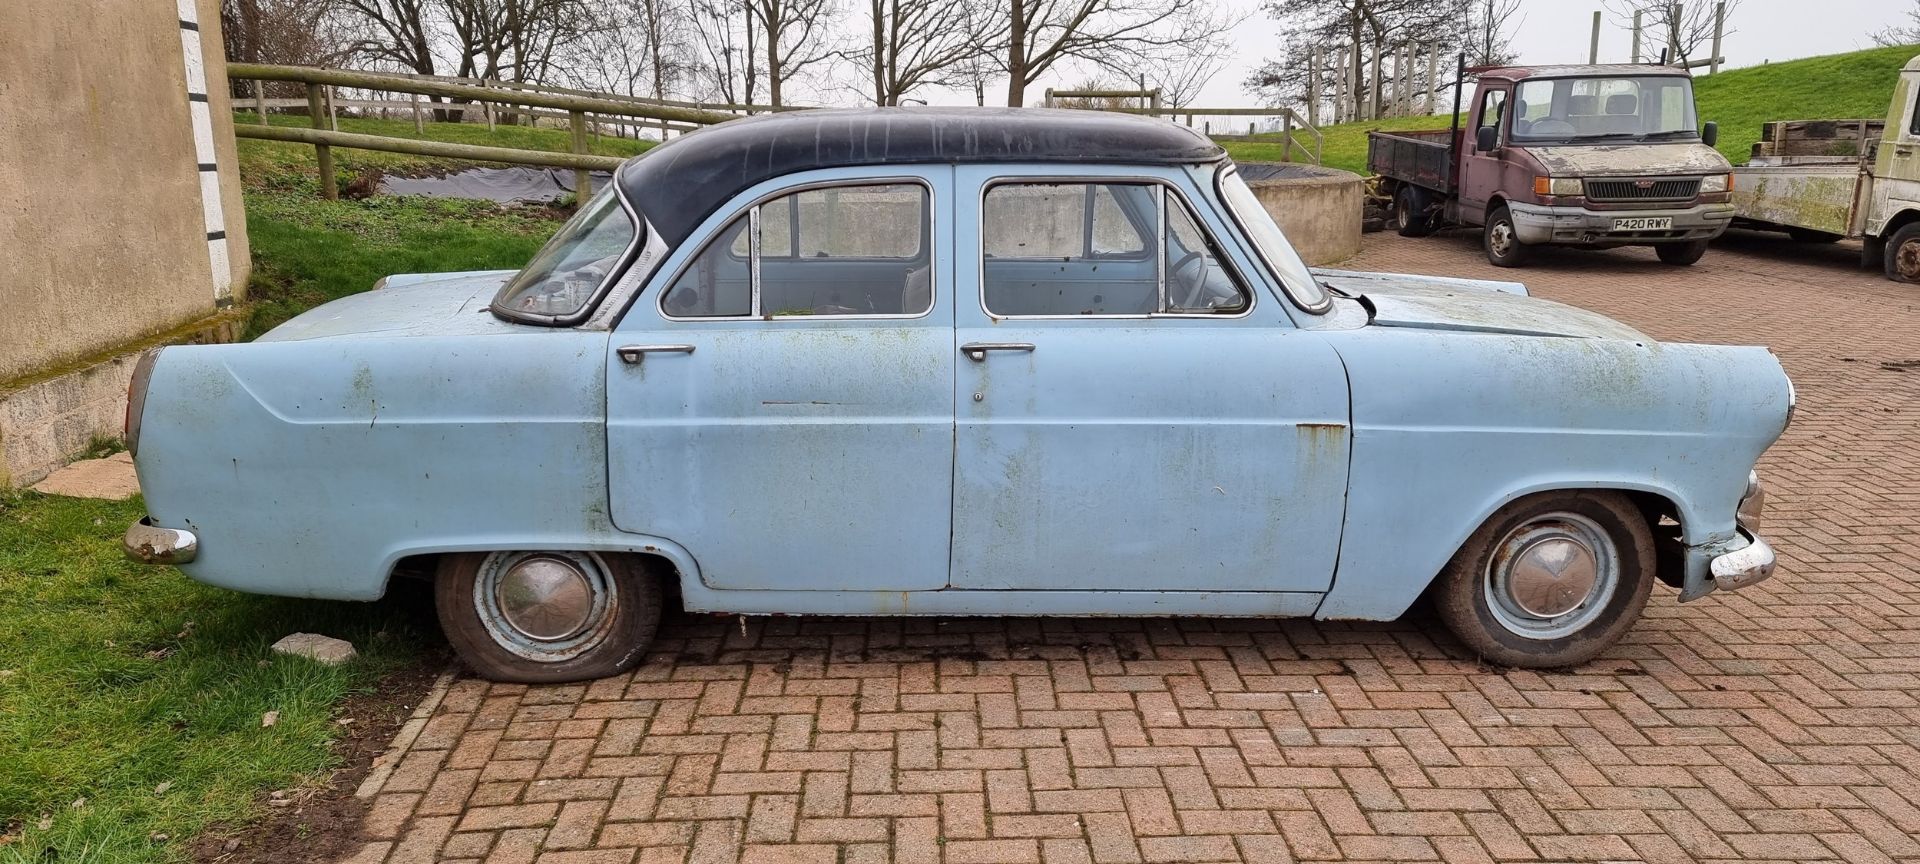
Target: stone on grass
<point x="320" y="649"/>
<point x="111" y="479"/>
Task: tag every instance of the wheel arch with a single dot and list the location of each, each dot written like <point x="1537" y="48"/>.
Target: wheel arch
<point x="671" y="560"/>
<point x="1350" y="599"/>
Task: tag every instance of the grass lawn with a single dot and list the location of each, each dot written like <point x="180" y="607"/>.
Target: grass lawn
<point x="131" y="697"/>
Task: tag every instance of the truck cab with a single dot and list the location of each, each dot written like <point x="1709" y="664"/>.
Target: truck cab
<point x="1592" y="156"/>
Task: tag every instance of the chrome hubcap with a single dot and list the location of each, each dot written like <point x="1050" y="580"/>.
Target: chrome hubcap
<point x="1552" y="576"/>
<point x="545" y="606"/>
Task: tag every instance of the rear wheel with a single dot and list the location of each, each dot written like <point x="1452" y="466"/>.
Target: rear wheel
<point x="1411" y="211"/>
<point x="1681" y="254"/>
<point x="1550" y="580"/>
<point x="1502" y="242"/>
<point x="1903" y="254"/>
<point x="543" y="617"/>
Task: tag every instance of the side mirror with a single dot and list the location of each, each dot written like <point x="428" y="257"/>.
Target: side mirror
<point x="1488" y="138"/>
<point x="1710" y="134"/>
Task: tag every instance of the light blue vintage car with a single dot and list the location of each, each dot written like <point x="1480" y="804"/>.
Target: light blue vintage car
<point x="953" y="362"/>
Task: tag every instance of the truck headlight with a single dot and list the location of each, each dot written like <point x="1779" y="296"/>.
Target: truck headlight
<point x="1569" y="186"/>
<point x="1717" y="183"/>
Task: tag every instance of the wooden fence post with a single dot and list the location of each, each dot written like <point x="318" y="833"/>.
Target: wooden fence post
<point x="486" y="110"/>
<point x="333" y="111"/>
<point x="581" y="177"/>
<point x="419" y="120"/>
<point x="260" y="100"/>
<point x="316" y="112"/>
<point x="1286" y="137"/>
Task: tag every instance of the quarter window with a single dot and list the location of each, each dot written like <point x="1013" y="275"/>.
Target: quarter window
<point x="1492" y="107"/>
<point x="842" y="250"/>
<point x="1111" y="249"/>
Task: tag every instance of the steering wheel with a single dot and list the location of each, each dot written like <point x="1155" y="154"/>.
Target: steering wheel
<point x="1195" y="285"/>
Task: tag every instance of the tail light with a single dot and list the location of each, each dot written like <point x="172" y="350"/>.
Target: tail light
<point x="137" y="399"/>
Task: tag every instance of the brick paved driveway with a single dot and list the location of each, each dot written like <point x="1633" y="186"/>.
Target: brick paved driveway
<point x="1777" y="723"/>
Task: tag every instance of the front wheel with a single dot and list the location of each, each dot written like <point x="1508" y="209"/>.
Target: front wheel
<point x="545" y="617"/>
<point x="1550" y="580"/>
<point x="1681" y="254"/>
<point x="1903" y="254"/>
<point x="1502" y="242"/>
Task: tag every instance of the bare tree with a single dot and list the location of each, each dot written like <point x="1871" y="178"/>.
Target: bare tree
<point x="1121" y="35"/>
<point x="724" y="38"/>
<point x="1181" y="77"/>
<point x="920" y="43"/>
<point x="397" y="32"/>
<point x="1488" y="40"/>
<point x="1896" y="34"/>
<point x="794" y="35"/>
<point x="1683" y="27"/>
<point x="1368" y="36"/>
<point x="515" y="40"/>
<point x="291" y="32"/>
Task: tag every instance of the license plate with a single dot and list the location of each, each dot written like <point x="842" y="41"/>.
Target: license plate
<point x="1651" y="223"/>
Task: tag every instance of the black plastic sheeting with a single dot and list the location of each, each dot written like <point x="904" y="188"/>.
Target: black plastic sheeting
<point x="505" y="185"/>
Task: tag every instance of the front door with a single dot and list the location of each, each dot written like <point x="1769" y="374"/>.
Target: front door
<point x="1482" y="171"/>
<point x="784" y="408"/>
<point x="1134" y="413"/>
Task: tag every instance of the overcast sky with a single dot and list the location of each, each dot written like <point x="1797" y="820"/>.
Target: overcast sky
<point x="1556" y="31"/>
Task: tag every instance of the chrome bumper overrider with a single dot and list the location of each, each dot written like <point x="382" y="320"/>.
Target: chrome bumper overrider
<point x="1744" y="566"/>
<point x="148" y="544"/>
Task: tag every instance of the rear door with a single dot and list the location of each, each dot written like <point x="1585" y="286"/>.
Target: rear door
<point x="784" y="408"/>
<point x="1135" y="412"/>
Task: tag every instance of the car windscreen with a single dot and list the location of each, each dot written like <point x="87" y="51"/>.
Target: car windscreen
<point x="1624" y="108"/>
<point x="568" y="273"/>
<point x="1272" y="245"/>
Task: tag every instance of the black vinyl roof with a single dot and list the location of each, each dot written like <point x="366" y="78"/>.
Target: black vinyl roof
<point x="679" y="184"/>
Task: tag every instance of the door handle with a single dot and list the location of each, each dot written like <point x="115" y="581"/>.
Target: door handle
<point x="977" y="351"/>
<point x="637" y="353"/>
<point x="1903" y="151"/>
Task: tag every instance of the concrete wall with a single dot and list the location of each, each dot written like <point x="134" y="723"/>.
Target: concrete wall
<point x="105" y="222"/>
<point x="102" y="229"/>
<point x="1320" y="211"/>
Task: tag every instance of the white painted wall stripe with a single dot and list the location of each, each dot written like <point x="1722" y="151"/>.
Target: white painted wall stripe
<point x="201" y="115"/>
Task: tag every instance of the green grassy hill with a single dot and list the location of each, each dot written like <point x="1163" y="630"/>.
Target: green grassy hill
<point x="1833" y="87"/>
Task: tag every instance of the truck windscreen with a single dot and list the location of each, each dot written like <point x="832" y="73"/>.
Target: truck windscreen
<point x="1553" y="110"/>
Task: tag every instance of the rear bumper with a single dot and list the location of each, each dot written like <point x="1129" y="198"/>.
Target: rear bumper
<point x="148" y="544"/>
<point x="1744" y="566"/>
<point x="1537" y="224"/>
<point x="1745" y="559"/>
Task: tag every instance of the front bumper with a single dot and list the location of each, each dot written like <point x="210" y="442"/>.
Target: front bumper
<point x="1582" y="227"/>
<point x="149" y="544"/>
<point x="1745" y="559"/>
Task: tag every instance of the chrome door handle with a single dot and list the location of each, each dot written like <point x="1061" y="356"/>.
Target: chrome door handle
<point x="637" y="353"/>
<point x="977" y="351"/>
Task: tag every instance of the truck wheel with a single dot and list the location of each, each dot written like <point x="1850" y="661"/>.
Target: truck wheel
<point x="1808" y="235"/>
<point x="1550" y="580"/>
<point x="1681" y="254"/>
<point x="1903" y="254"/>
<point x="545" y="617"/>
<point x="1502" y="242"/>
<point x="1411" y="211"/>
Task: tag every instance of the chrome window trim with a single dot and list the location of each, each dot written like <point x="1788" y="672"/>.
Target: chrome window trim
<point x="1226" y="263"/>
<point x="752" y="211"/>
<point x="641" y="232"/>
<point x="1259" y="254"/>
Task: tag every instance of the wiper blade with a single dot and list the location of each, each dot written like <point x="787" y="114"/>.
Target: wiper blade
<point x="1673" y="133"/>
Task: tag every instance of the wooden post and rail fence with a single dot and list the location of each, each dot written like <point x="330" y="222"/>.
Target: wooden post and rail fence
<point x="578" y="106"/>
